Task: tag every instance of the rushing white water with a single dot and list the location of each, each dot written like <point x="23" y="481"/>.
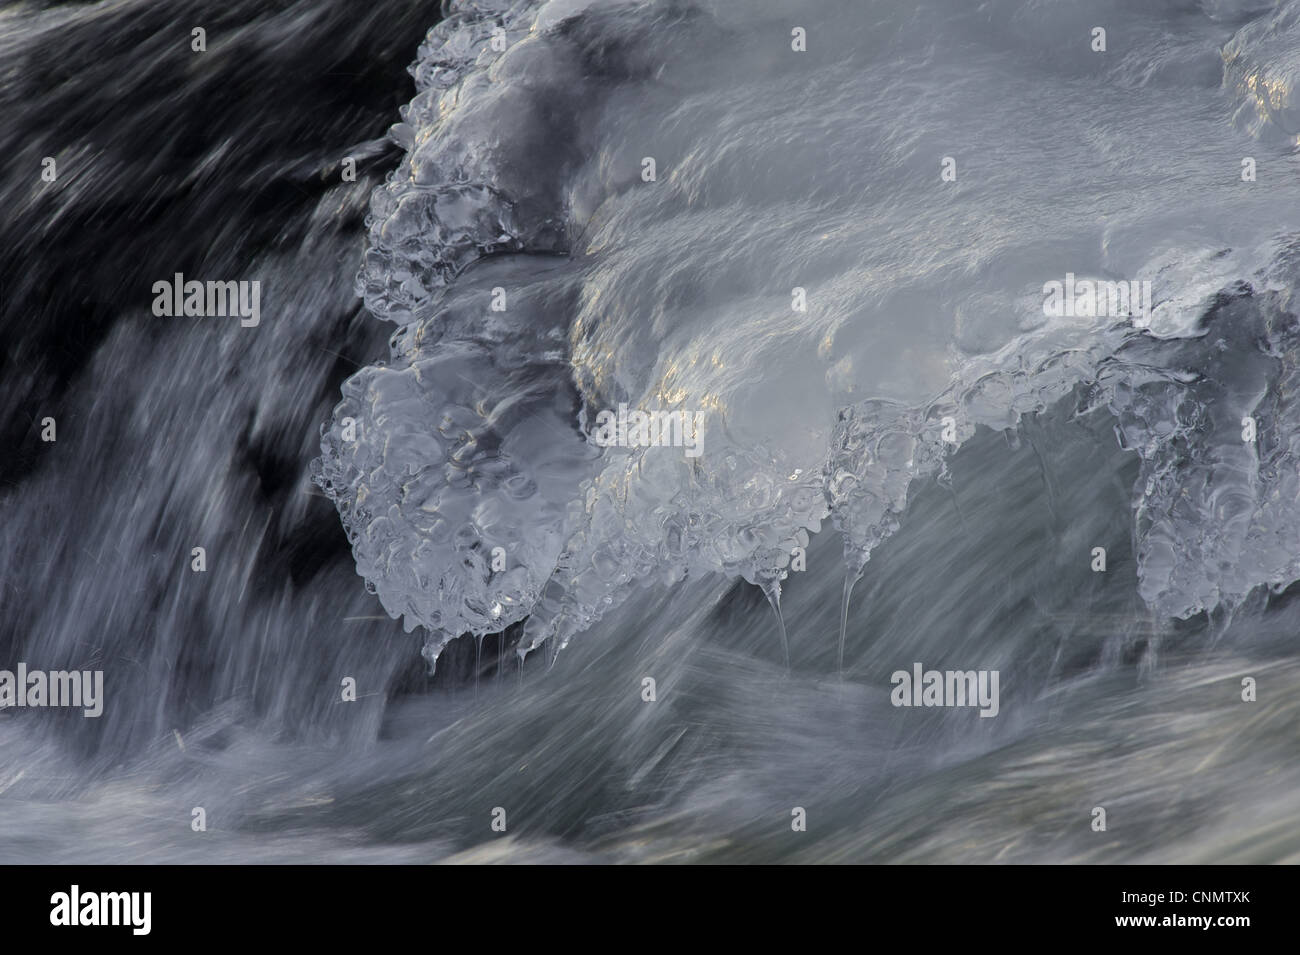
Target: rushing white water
<point x="917" y="466"/>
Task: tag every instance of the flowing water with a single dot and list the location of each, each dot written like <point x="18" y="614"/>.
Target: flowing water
<point x="822" y="233"/>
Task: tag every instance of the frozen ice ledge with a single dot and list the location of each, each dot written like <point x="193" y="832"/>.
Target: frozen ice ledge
<point x="465" y="470"/>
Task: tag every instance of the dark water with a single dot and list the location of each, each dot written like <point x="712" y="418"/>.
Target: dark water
<point x="520" y="169"/>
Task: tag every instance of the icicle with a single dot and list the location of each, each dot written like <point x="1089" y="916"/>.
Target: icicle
<point x="433" y="644"/>
<point x="1042" y="471"/>
<point x="853" y="567"/>
<point x="772" y="590"/>
<point x="501" y="656"/>
<point x="478" y="660"/>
